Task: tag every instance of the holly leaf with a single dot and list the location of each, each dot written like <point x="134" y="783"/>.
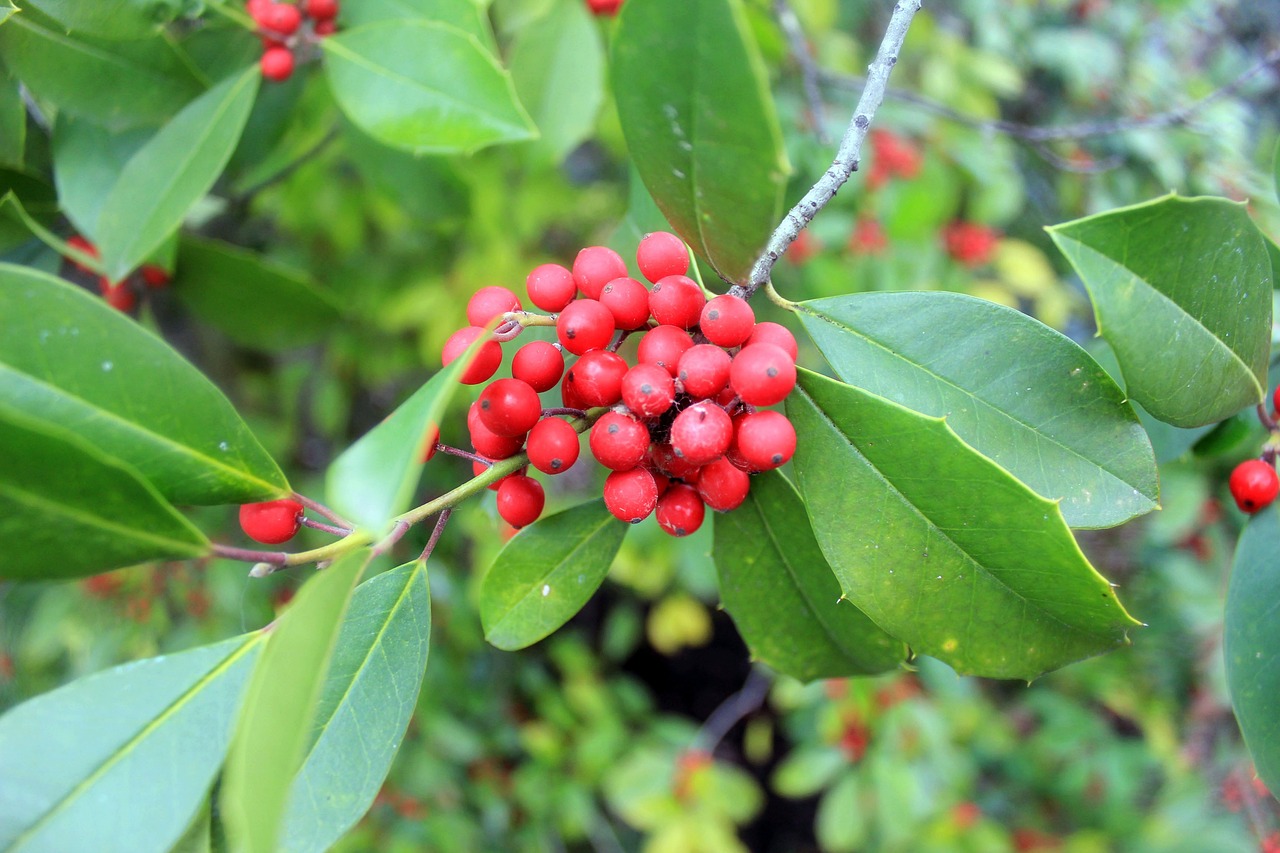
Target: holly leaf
<point x="783" y="596"/>
<point x="939" y="545"/>
<point x="13" y="119"/>
<point x="467" y="15"/>
<point x="87" y="161"/>
<point x="111" y="19"/>
<point x="1181" y="290"/>
<point x="546" y="573"/>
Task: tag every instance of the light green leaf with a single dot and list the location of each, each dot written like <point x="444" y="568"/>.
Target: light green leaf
<point x="6" y="9"/>
<point x="367" y="701"/>
<point x="120" y="760"/>
<point x="1182" y="292"/>
<point x="13" y="120"/>
<point x="546" y="573"/>
<point x="467" y="15"/>
<point x="783" y="596"/>
<point x="113" y="19"/>
<point x="13" y="209"/>
<point x="69" y="361"/>
<point x="940" y="546"/>
<point x="87" y="162"/>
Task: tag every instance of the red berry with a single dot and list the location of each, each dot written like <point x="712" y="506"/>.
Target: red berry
<point x="484" y="363"/>
<point x="277" y="63"/>
<point x="429" y="442"/>
<point x="490" y="302"/>
<point x="701" y="433"/>
<point x="584" y="325"/>
<point x="762" y="374"/>
<point x="597" y="378"/>
<point x="540" y="364"/>
<point x="664" y="458"/>
<point x="661" y="254"/>
<point x="868" y="238"/>
<point x="553" y="446"/>
<point x="322" y="10"/>
<point x="631" y="495"/>
<point x="84" y="246"/>
<point x="680" y="511"/>
<point x="764" y="440"/>
<point x="722" y="485"/>
<point x="118" y="294"/>
<point x="663" y="346"/>
<point x="1254" y="485"/>
<point x="619" y="442"/>
<point x="677" y="301"/>
<point x="703" y="370"/>
<point x="551" y="287"/>
<point x="487" y="442"/>
<point x="804" y="247"/>
<point x="257" y="8"/>
<point x="969" y="243"/>
<point x="520" y="500"/>
<point x="595" y="267"/>
<point x="1275" y="400"/>
<point x="604" y="7"/>
<point x="325" y="28"/>
<point x="282" y="18"/>
<point x="154" y="276"/>
<point x="509" y="407"/>
<point x="628" y="301"/>
<point x="648" y="390"/>
<point x="271" y="522"/>
<point x="727" y="321"/>
<point x="778" y="335"/>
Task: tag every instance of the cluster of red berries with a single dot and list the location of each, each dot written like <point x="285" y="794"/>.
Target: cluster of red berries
<point x="279" y="26"/>
<point x="891" y="156"/>
<point x="121" y="295"/>
<point x="970" y="243"/>
<point x="685" y="424"/>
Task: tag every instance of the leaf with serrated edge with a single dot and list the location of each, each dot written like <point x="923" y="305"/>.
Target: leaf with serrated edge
<point x="940" y="546"/>
<point x="546" y="573"/>
<point x="1181" y="289"/>
<point x="121" y="760"/>
<point x="783" y="596"/>
<point x="1014" y="389"/>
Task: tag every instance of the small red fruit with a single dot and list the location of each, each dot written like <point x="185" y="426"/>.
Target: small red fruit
<point x="727" y="321"/>
<point x="661" y="254"/>
<point x="322" y="10"/>
<point x="605" y="7"/>
<point x="1254" y="485"/>
<point x="677" y="301"/>
<point x="584" y="325"/>
<point x="595" y="267"/>
<point x="648" y="390"/>
<point x="597" y="378"/>
<point x="663" y="346"/>
<point x="154" y="276"/>
<point x="762" y="374"/>
<point x="631" y="495"/>
<point x="680" y="511"/>
<point x="776" y="334"/>
<point x="282" y="18"/>
<point x="487" y="442"/>
<point x="764" y="440"/>
<point x="509" y="407"/>
<point x="490" y="302"/>
<point x="485" y="362"/>
<point x="628" y="301"/>
<point x="722" y="485"/>
<point x="520" y="500"/>
<point x="85" y="247"/>
<point x="429" y="442"/>
<point x="701" y="433"/>
<point x="325" y="28"/>
<point x="619" y="442"/>
<point x="553" y="446"/>
<point x="119" y="295"/>
<point x="540" y="364"/>
<point x="703" y="370"/>
<point x="271" y="522"/>
<point x="551" y="287"/>
<point x="277" y="63"/>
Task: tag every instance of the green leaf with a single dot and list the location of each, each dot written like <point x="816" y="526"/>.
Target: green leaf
<point x="245" y="296"/>
<point x="70" y="361"/>
<point x="113" y="19"/>
<point x="1182" y="291"/>
<point x="172" y="172"/>
<point x="546" y="573"/>
<point x="367" y="701"/>
<point x="281" y="705"/>
<point x="424" y="87"/>
<point x="1012" y="388"/>
<point x="1275" y="171"/>
<point x="693" y="99"/>
<point x="87" y="162"/>
<point x="940" y="546"/>
<point x="116" y="84"/>
<point x="1251" y="637"/>
<point x="467" y="15"/>
<point x="120" y="760"/>
<point x="807" y="769"/>
<point x="14" y="210"/>
<point x="13" y="121"/>
<point x="6" y="9"/>
<point x="782" y="595"/>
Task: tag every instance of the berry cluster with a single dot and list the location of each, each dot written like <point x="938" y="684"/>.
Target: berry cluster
<point x="680" y="428"/>
<point x="969" y="243"/>
<point x="280" y="26"/>
<point x="121" y="295"/>
<point x="891" y="156"/>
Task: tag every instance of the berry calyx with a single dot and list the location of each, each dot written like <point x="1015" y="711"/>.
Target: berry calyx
<point x="762" y="374"/>
<point x="484" y="364"/>
<point x="764" y="440"/>
<point x="619" y="442"/>
<point x="277" y="63"/>
<point x="271" y="522"/>
<point x="727" y="321"/>
<point x="553" y="446"/>
<point x="661" y="254"/>
<point x="595" y="267"/>
<point x="509" y="407"/>
<point x="540" y="364"/>
<point x="597" y="378"/>
<point x="631" y="495"/>
<point x="520" y="500"/>
<point x="551" y="287"/>
<point x="490" y="302"/>
<point x="584" y="325"/>
<point x="1254" y="485"/>
<point x="680" y="511"/>
<point x="648" y="390"/>
<point x="677" y="301"/>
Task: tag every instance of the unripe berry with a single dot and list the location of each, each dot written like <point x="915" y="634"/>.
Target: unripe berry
<point x="680" y="511"/>
<point x="595" y="267"/>
<point x="277" y="63"/>
<point x="727" y="321"/>
<point x="722" y="485"/>
<point x="1254" y="485"/>
<point x="619" y="442"/>
<point x="509" y="407"/>
<point x="628" y="301"/>
<point x="271" y="522"/>
<point x="764" y="440"/>
<point x="540" y="364"/>
<point x="663" y="346"/>
<point x="762" y="374"/>
<point x="661" y="254"/>
<point x="487" y="442"/>
<point x="677" y="301"/>
<point x="703" y="370"/>
<point x="485" y="362"/>
<point x="322" y="10"/>
<point x="520" y="500"/>
<point x="631" y="495"/>
<point x="553" y="446"/>
<point x="597" y="378"/>
<point x="490" y="302"/>
<point x="778" y="335"/>
<point x="701" y="433"/>
<point x="584" y="325"/>
<point x="648" y="390"/>
<point x="551" y="287"/>
<point x="282" y="18"/>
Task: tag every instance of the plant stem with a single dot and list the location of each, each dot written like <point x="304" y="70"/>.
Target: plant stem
<point x="435" y="533"/>
<point x="327" y="528"/>
<point x="732" y="710"/>
<point x="321" y="509"/>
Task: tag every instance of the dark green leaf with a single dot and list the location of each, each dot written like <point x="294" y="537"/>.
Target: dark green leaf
<point x="367" y="701"/>
<point x="939" y="545"/>
<point x="68" y="360"/>
<point x="13" y="122"/>
<point x="693" y="98"/>
<point x="87" y="161"/>
<point x="782" y="595"/>
<point x="280" y="707"/>
<point x="1012" y="388"/>
<point x="1275" y="170"/>
<point x="546" y="573"/>
<point x="171" y="172"/>
<point x="424" y="87"/>
<point x="246" y="297"/>
<point x="1182" y="291"/>
<point x="14" y="210"/>
<point x="115" y="19"/>
<point x="120" y="760"/>
<point x="467" y="15"/>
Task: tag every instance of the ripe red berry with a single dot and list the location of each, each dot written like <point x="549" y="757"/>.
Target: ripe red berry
<point x="277" y="63"/>
<point x="322" y="10"/>
<point x="540" y="364"/>
<point x="619" y="442"/>
<point x="597" y="378"/>
<point x="663" y="346"/>
<point x="487" y="442"/>
<point x="680" y="511"/>
<point x="551" y="287"/>
<point x="631" y="495"/>
<point x="604" y="7"/>
<point x="271" y="522"/>
<point x="648" y="390"/>
<point x="509" y="407"/>
<point x="1254" y="485"/>
<point x="85" y="247"/>
<point x="727" y="321"/>
<point x="584" y="325"/>
<point x="762" y="374"/>
<point x="595" y="267"/>
<point x="490" y="302"/>
<point x="722" y="485"/>
<point x="256" y="8"/>
<point x="520" y="500"/>
<point x="969" y="243"/>
<point x="663" y="457"/>
<point x="776" y="334"/>
<point x="119" y="295"/>
<point x="703" y="370"/>
<point x="764" y="440"/>
<point x="701" y="433"/>
<point x="677" y="301"/>
<point x="661" y="254"/>
<point x="553" y="446"/>
<point x="325" y="28"/>
<point x="628" y="301"/>
<point x="282" y="18"/>
<point x="154" y="276"/>
<point x="485" y="362"/>
<point x="1275" y="399"/>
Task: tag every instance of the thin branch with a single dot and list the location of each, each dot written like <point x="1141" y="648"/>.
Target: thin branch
<point x="846" y="160"/>
<point x="435" y="533"/>
<point x="799" y="47"/>
<point x="321" y="509"/>
<point x="248" y="555"/>
<point x="398" y="530"/>
<point x="463" y="454"/>
<point x="732" y="711"/>
<point x="327" y="528"/>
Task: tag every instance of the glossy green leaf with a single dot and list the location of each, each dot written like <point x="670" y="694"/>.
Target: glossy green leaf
<point x="13" y="122"/>
<point x="1181" y="290"/>
<point x="69" y="360"/>
<point x="693" y="99"/>
<point x="171" y="172"/>
<point x="113" y="19"/>
<point x="546" y="573"/>
<point x="199" y="835"/>
<point x="87" y="161"/>
<point x="281" y="706"/>
<point x="424" y="87"/>
<point x="120" y="760"/>
<point x="940" y="546"/>
<point x="93" y="515"/>
<point x="783" y="596"/>
<point x="467" y="15"/>
<point x="117" y="84"/>
<point x="1012" y="388"/>
<point x="6" y="9"/>
<point x="246" y="297"/>
<point x="367" y="701"/>
<point x="12" y="208"/>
